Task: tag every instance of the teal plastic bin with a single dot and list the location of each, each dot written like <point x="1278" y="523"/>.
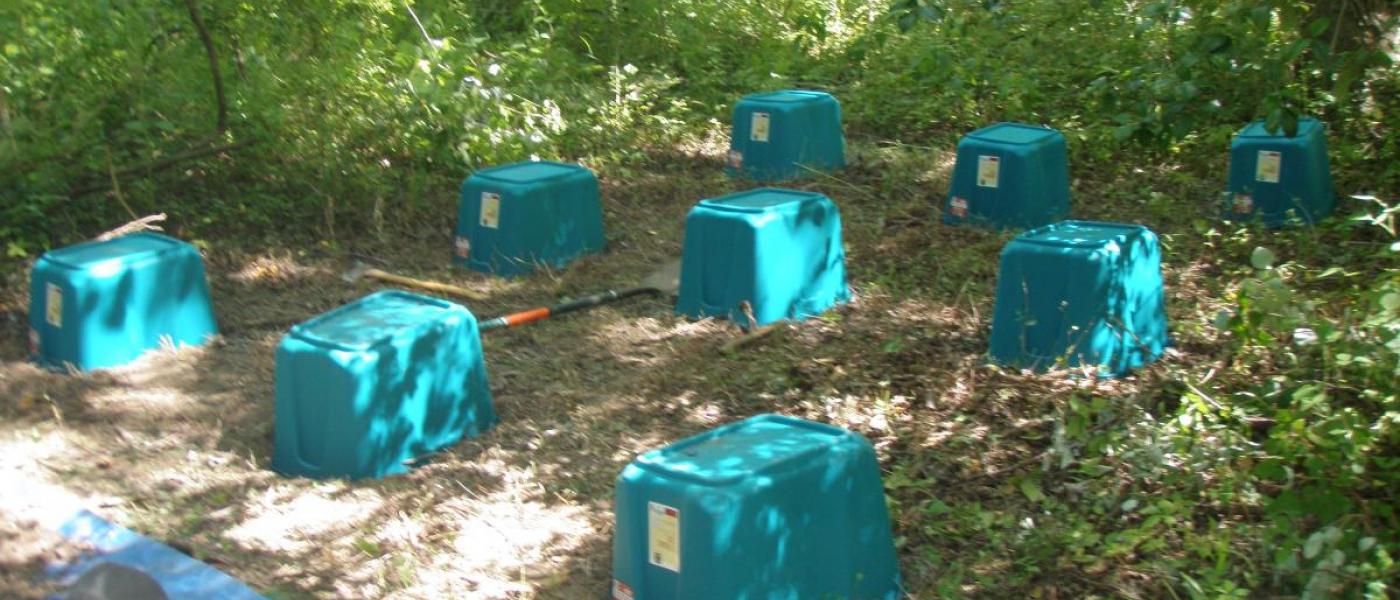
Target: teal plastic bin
<point x="369" y="388"/>
<point x="779" y="250"/>
<point x="1080" y="293"/>
<point x="514" y="218"/>
<point x="767" y="508"/>
<point x="1275" y="178"/>
<point x="1009" y="175"/>
<point x="786" y="135"/>
<point x="103" y="304"/>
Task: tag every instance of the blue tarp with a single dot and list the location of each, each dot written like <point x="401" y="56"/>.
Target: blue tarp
<point x="179" y="575"/>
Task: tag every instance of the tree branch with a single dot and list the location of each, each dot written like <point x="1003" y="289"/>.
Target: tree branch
<point x="161" y="164"/>
<point x="222" y="124"/>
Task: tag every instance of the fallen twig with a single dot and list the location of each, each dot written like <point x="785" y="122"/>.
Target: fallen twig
<point x="141" y="224"/>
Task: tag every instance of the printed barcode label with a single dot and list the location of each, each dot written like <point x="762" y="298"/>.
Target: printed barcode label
<point x="53" y="306"/>
<point x="664" y="536"/>
<point x="758" y="132"/>
<point x="1269" y="166"/>
<point x="491" y="210"/>
<point x="988" y="171"/>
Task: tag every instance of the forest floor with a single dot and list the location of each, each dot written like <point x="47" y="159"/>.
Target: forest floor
<point x="177" y="446"/>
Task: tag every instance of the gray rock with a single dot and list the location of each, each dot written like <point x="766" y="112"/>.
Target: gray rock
<point x="111" y="581"/>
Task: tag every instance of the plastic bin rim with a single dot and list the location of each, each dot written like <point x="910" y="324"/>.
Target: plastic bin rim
<point x="1124" y="231"/>
<point x="775" y="96"/>
<point x="653" y="460"/>
<point x="798" y="196"/>
<point x="301" y="331"/>
<point x="982" y="134"/>
<point x="491" y="173"/>
<point x="1306" y="126"/>
<point x="57" y="257"/>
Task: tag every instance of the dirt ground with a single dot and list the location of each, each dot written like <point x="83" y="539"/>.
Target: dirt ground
<point x="177" y="446"/>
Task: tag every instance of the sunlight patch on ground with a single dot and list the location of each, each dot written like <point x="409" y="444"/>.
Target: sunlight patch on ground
<point x="24" y="489"/>
<point x="503" y="544"/>
<point x="272" y="269"/>
<point x="288" y="520"/>
<point x="646" y="341"/>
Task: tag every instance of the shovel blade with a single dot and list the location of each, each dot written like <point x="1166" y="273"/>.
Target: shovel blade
<point x="666" y="279"/>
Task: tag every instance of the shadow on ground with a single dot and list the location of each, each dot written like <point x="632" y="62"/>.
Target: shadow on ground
<point x="179" y="444"/>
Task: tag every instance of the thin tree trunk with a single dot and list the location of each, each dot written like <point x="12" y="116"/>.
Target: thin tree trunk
<point x="222" y="123"/>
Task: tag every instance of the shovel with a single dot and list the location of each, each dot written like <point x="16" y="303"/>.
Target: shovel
<point x="362" y="270"/>
<point x="665" y="281"/>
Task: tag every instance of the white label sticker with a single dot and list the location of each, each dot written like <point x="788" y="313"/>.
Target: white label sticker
<point x="490" y="210"/>
<point x="53" y="306"/>
<point x="736" y="159"/>
<point x="988" y="171"/>
<point x="1244" y="204"/>
<point x="758" y="132"/>
<point x="622" y="591"/>
<point x="1269" y="166"/>
<point x="462" y="247"/>
<point x="664" y="536"/>
<point x="958" y="207"/>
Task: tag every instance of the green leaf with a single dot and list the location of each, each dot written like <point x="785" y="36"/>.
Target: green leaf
<point x="1032" y="491"/>
<point x="1313" y="546"/>
<point x="1318" y="27"/>
<point x="1215" y="43"/>
<point x="1262" y="258"/>
<point x="1391" y="301"/>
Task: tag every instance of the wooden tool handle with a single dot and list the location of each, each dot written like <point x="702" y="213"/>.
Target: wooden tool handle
<point x="451" y="290"/>
<point x="751" y="337"/>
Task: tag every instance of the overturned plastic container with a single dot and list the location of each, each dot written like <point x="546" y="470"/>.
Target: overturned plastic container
<point x="104" y="304"/>
<point x="776" y="250"/>
<point x="1278" y="179"/>
<point x="1009" y="175"/>
<point x="373" y="387"/>
<point x="769" y="507"/>
<point x="515" y="218"/>
<point x="1080" y="293"/>
<point x="786" y="135"/>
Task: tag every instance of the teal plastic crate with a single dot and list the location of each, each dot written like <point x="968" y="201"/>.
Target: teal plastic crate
<point x="1275" y="178"/>
<point x="779" y="250"/>
<point x="370" y="388"/>
<point x="103" y="304"/>
<point x="1080" y="293"/>
<point x="515" y="218"/>
<point x="767" y="508"/>
<point x="786" y="135"/>
<point x="1009" y="175"/>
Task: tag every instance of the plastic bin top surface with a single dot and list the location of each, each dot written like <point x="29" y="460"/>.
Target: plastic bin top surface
<point x="787" y="96"/>
<point x="744" y="449"/>
<point x="128" y="248"/>
<point x="1306" y="126"/>
<point x="528" y="172"/>
<point x="760" y="200"/>
<point x="372" y="320"/>
<point x="1013" y="133"/>
<point x="1079" y="234"/>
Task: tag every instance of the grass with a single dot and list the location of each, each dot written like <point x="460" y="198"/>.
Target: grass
<point x="177" y="445"/>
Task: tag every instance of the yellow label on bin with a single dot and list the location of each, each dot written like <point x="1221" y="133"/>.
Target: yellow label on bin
<point x="988" y="171"/>
<point x="759" y="130"/>
<point x="664" y="536"/>
<point x="491" y="210"/>
<point x="53" y="306"/>
<point x="1269" y="166"/>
